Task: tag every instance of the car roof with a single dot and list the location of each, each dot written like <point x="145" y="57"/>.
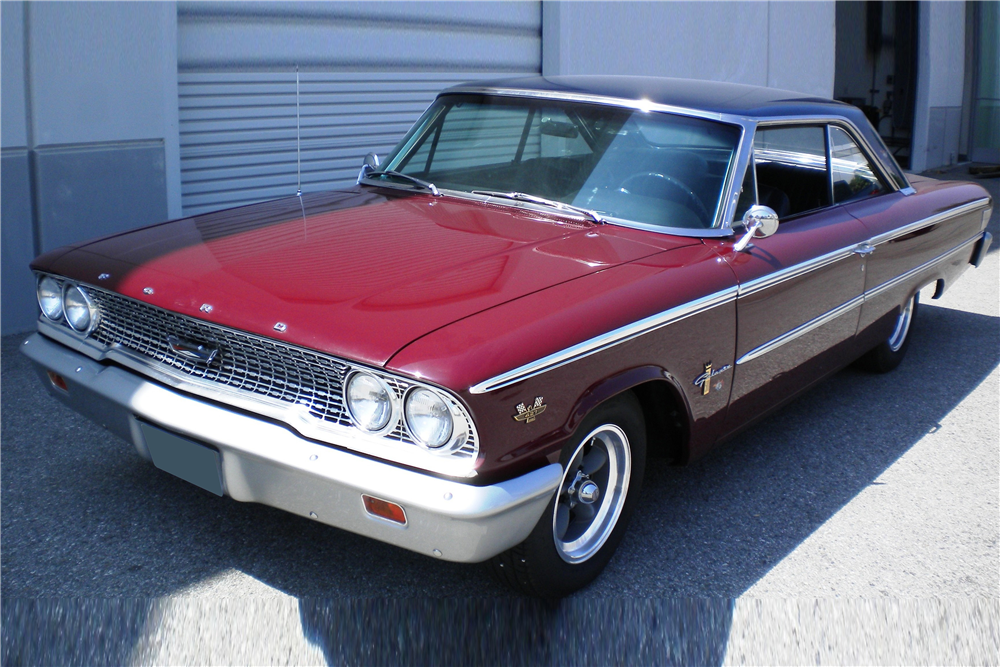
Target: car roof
<point x="711" y="96"/>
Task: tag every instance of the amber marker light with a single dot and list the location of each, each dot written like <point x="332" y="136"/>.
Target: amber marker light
<point x="383" y="509"/>
<point x="57" y="381"/>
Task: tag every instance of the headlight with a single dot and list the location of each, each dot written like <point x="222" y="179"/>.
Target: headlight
<point x="50" y="297"/>
<point x="428" y="418"/>
<point x="369" y="402"/>
<point x="81" y="314"/>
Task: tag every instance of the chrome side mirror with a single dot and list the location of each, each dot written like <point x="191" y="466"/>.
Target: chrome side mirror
<point x="371" y="163"/>
<point x="759" y="222"/>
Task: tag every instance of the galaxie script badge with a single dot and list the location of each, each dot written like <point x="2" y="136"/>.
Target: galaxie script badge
<point x="528" y="414"/>
<point x="703" y="379"/>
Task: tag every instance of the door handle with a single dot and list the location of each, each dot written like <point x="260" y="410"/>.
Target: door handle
<point x="864" y="249"/>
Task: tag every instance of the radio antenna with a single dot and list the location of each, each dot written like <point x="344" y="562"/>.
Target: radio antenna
<point x="298" y="136"/>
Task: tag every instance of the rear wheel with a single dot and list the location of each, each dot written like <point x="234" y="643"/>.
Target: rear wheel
<point x="580" y="529"/>
<point x="890" y="352"/>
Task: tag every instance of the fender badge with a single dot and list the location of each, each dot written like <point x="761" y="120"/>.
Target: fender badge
<point x="528" y="414"/>
<point x="703" y="379"/>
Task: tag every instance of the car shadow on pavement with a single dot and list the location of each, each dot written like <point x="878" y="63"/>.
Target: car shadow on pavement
<point x="84" y="517"/>
<point x="492" y="631"/>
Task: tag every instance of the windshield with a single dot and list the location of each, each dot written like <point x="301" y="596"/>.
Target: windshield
<point x="653" y="168"/>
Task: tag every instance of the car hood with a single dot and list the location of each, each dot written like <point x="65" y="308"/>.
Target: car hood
<point x="358" y="274"/>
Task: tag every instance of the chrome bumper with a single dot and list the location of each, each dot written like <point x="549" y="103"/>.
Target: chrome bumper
<point x="266" y="463"/>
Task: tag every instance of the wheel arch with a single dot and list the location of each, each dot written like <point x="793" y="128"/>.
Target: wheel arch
<point x="665" y="408"/>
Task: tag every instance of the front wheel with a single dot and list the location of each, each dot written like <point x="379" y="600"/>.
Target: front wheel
<point x="582" y="525"/>
<point x="885" y="356"/>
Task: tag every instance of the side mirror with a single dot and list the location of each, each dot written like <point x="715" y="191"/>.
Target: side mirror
<point x="371" y="163"/>
<point x="759" y="222"/>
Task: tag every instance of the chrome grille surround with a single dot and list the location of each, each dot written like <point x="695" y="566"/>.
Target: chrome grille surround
<point x="298" y="386"/>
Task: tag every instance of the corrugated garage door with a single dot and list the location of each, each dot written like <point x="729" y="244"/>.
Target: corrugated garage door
<point x="367" y="71"/>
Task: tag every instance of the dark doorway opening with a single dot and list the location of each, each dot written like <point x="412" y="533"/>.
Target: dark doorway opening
<point x="876" y="67"/>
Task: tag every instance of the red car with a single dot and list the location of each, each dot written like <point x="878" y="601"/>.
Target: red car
<point x="471" y="353"/>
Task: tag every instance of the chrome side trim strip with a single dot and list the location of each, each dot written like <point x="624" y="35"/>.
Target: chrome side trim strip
<point x="792" y="272"/>
<point x="801" y="330"/>
<point x="889" y="284"/>
<point x="853" y="303"/>
<point x="930" y="220"/>
<point x="797" y="270"/>
<point x="604" y="341"/>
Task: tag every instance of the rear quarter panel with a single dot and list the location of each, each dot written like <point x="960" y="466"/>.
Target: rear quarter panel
<point x="893" y="257"/>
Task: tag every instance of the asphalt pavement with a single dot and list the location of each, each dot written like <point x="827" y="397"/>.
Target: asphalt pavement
<point x="860" y="524"/>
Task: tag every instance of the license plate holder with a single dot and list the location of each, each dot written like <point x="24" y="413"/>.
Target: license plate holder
<point x="191" y="461"/>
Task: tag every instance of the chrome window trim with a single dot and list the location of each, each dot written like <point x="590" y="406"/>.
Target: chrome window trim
<point x="884" y="173"/>
<point x="591" y="98"/>
<point x="831" y="315"/>
<point x="605" y="341"/>
<point x="962" y="209"/>
<point x="299" y="420"/>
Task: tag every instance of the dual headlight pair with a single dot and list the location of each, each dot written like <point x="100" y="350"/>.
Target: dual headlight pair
<point x="58" y="300"/>
<point x="374" y="409"/>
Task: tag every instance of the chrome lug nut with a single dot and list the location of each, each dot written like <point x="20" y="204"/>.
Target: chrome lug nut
<point x="588" y="493"/>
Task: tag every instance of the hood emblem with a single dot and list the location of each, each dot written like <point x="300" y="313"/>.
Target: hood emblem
<point x="104" y="276"/>
<point x="192" y="349"/>
<point x="281" y="327"/>
<point x="206" y="308"/>
<point x="528" y="414"/>
<point x="147" y="290"/>
<point x="704" y="380"/>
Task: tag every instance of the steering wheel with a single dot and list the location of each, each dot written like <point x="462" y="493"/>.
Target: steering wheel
<point x="692" y="201"/>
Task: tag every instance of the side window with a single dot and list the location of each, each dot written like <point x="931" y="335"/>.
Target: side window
<point x="792" y="168"/>
<point x="853" y="176"/>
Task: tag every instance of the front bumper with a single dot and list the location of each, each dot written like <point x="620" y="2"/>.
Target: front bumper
<point x="267" y="463"/>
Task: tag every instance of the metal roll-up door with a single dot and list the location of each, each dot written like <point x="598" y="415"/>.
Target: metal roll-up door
<point x="237" y="85"/>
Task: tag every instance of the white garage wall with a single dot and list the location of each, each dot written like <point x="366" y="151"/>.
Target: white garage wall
<point x="367" y="72"/>
<point x="779" y="44"/>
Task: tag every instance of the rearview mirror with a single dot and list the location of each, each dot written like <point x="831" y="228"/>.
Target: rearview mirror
<point x="555" y="128"/>
<point x="759" y="222"/>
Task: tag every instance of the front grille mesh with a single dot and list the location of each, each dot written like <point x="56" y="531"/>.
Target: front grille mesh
<point x="244" y="364"/>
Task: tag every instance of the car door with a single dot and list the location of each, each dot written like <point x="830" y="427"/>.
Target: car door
<point x="801" y="289"/>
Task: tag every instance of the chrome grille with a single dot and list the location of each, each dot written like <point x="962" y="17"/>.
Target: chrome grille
<point x="245" y="363"/>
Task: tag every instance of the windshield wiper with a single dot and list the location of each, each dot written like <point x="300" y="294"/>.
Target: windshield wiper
<point x="413" y="179"/>
<point x="552" y="203"/>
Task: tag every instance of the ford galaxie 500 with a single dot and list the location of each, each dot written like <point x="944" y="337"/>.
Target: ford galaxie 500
<point x="471" y="352"/>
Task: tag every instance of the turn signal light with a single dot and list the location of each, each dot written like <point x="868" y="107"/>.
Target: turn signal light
<point x="57" y="381"/>
<point x="383" y="509"/>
